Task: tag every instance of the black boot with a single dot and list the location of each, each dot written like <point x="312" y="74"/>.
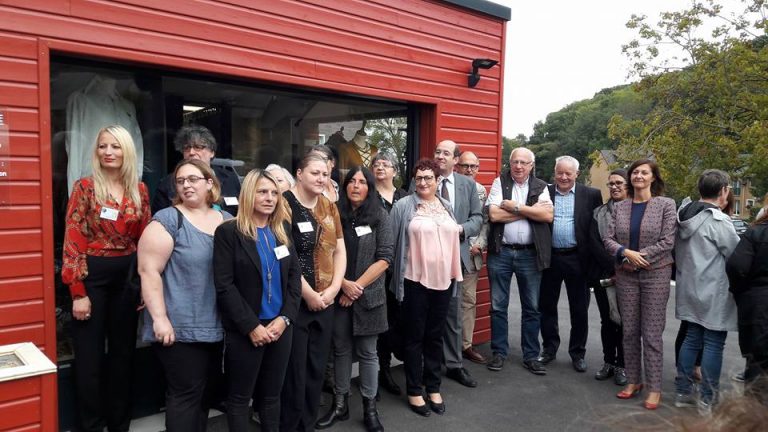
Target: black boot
<point x="371" y="416"/>
<point x="387" y="382"/>
<point x="339" y="411"/>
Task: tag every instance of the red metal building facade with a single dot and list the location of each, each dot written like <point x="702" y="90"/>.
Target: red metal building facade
<point x="416" y="51"/>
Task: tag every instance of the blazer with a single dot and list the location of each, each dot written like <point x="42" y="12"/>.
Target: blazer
<point x="657" y="230"/>
<point x="237" y="275"/>
<point x="586" y="200"/>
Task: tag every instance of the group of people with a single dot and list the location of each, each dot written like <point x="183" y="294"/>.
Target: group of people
<point x="273" y="275"/>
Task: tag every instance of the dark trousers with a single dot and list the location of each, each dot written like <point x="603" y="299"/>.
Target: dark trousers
<point x="390" y="342"/>
<point x="564" y="268"/>
<point x="103" y="383"/>
<point x="300" y="398"/>
<point x="681" y="332"/>
<point x="424" y="314"/>
<point x="610" y="332"/>
<point x="255" y="370"/>
<point x="191" y="374"/>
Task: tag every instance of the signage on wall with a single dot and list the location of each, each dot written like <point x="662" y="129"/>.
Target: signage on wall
<point x="5" y="160"/>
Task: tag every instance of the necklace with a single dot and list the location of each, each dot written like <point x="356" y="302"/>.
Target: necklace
<point x="267" y="258"/>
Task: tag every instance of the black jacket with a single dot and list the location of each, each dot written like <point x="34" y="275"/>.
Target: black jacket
<point x="747" y="266"/>
<point x="166" y="190"/>
<point x="237" y="275"/>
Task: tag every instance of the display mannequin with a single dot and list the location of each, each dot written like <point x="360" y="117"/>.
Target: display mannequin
<point x="356" y="152"/>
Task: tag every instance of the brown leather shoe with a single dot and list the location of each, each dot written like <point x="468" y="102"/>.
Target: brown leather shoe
<point x="474" y="356"/>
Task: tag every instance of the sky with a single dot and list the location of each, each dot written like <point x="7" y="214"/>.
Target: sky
<point x="561" y="51"/>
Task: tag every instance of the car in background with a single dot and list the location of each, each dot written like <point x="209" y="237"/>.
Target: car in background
<point x="230" y="165"/>
<point x="740" y="225"/>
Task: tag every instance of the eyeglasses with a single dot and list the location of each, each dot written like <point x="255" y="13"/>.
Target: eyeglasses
<point x="519" y="162"/>
<point x="615" y="184"/>
<point x="469" y="166"/>
<point x="425" y="179"/>
<point x="192" y="179"/>
<point x="382" y="165"/>
<point x="198" y="147"/>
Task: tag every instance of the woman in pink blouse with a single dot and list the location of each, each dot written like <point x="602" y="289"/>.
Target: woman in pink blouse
<point x="425" y="271"/>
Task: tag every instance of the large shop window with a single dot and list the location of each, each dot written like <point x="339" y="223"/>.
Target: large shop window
<point x="254" y="125"/>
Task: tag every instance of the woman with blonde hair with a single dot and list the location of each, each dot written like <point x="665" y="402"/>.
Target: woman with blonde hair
<point x="181" y="319"/>
<point x="258" y="287"/>
<point x="106" y="215"/>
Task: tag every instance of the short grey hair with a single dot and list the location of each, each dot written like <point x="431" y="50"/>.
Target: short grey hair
<point x="384" y="156"/>
<point x="524" y="150"/>
<point x="287" y="174"/>
<point x="191" y="134"/>
<point x="569" y="159"/>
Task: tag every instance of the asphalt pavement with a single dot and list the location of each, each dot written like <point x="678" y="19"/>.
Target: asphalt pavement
<point x="516" y="400"/>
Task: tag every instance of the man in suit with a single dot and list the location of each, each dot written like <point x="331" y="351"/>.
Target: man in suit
<point x="519" y="242"/>
<point x="574" y="205"/>
<point x="462" y="194"/>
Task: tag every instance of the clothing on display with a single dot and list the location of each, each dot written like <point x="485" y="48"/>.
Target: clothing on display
<point x="96" y="106"/>
<point x="356" y="152"/>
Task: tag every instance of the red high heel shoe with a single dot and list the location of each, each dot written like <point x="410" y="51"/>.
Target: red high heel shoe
<point x="652" y="405"/>
<point x="629" y="395"/>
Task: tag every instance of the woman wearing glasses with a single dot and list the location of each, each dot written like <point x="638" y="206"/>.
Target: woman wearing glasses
<point x="602" y="276"/>
<point x="181" y="319"/>
<point x="641" y="236"/>
<point x="425" y="271"/>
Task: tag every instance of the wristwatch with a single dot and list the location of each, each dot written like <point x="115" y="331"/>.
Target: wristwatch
<point x="287" y="320"/>
<point x="516" y="210"/>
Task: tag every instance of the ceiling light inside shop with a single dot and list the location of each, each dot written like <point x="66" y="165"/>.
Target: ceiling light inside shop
<point x="192" y="108"/>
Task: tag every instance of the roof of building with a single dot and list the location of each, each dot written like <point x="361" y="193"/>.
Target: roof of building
<point x="609" y="156"/>
<point x="484" y="6"/>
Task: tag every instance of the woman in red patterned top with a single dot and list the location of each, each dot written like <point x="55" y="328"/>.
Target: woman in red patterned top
<point x="105" y="217"/>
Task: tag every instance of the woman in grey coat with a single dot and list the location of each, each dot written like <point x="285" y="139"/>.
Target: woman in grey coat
<point x="363" y="312"/>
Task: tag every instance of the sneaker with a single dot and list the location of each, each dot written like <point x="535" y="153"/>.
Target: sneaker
<point x="620" y="376"/>
<point x="705" y="409"/>
<point x="685" y="401"/>
<point x="605" y="372"/>
<point x="739" y="377"/>
<point x="496" y="363"/>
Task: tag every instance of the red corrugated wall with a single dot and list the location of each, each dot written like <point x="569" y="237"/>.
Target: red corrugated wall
<point x="411" y="50"/>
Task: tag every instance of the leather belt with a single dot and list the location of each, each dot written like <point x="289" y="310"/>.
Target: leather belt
<point x="564" y="251"/>
<point x="519" y="246"/>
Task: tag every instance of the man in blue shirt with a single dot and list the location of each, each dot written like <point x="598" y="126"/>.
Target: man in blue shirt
<point x="574" y="204"/>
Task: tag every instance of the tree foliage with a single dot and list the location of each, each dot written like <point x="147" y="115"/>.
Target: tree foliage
<point x="389" y="135"/>
<point x="705" y="74"/>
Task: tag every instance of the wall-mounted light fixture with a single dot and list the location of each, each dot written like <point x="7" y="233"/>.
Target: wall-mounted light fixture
<point x="474" y="77"/>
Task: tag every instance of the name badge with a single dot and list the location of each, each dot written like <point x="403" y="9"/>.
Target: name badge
<point x="305" y="227"/>
<point x="363" y="230"/>
<point x="281" y="252"/>
<point x="109" y="213"/>
<point x="231" y="201"/>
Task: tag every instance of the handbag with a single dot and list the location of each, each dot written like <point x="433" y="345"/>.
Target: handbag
<point x="613" y="304"/>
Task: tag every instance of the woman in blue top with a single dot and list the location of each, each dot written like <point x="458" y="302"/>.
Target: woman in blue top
<point x="258" y="286"/>
<point x="176" y="268"/>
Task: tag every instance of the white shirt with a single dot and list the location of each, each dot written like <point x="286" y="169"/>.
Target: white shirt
<point x="517" y="232"/>
<point x="451" y="185"/>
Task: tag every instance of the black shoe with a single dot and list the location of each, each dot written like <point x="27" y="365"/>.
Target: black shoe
<point x="387" y="382"/>
<point x="437" y="408"/>
<point x="620" y="377"/>
<point x="461" y="376"/>
<point x="422" y="410"/>
<point x="535" y="367"/>
<point x="371" y="416"/>
<point x="579" y="364"/>
<point x="496" y="363"/>
<point x="605" y="372"/>
<point x="546" y="358"/>
<point x="339" y="412"/>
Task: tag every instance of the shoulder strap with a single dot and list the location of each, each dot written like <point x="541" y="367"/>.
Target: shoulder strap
<point x="179" y="221"/>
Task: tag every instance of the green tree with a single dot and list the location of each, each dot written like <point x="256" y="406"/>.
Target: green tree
<point x="709" y="94"/>
<point x="389" y="135"/>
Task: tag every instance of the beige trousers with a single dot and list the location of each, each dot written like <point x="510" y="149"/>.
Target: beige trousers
<point x="468" y="308"/>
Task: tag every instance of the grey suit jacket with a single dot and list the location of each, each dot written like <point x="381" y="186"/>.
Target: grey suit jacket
<point x="468" y="212"/>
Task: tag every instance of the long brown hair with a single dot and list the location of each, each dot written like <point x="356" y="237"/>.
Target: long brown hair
<point x="276" y="220"/>
<point x="657" y="187"/>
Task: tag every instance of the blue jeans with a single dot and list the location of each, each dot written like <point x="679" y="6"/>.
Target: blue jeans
<point x="500" y="268"/>
<point x="712" y="341"/>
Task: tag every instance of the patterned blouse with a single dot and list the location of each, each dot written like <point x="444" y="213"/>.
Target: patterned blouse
<point x="88" y="233"/>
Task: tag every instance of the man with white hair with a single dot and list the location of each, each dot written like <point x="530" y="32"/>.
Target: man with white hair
<point x="519" y="242"/>
<point x="574" y="205"/>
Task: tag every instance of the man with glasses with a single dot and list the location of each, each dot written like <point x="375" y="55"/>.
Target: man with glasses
<point x="461" y="192"/>
<point x="519" y="242"/>
<point x="574" y="204"/>
<point x="469" y="165"/>
<point x="197" y="142"/>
